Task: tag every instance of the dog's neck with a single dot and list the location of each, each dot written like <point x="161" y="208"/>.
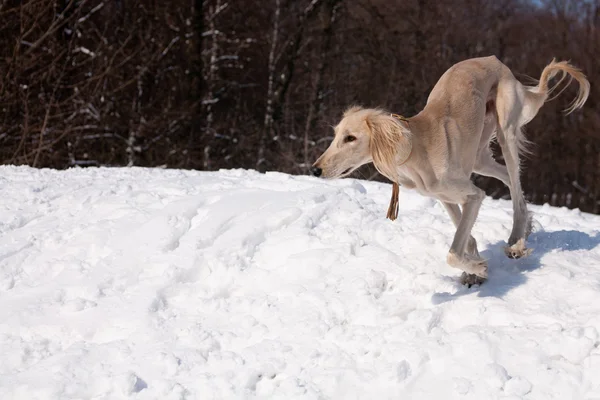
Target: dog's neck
<point x="403" y="150"/>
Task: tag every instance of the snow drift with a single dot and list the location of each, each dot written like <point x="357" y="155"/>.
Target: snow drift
<point x="169" y="284"/>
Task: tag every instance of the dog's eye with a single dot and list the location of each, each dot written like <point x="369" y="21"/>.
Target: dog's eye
<point x="349" y="139"/>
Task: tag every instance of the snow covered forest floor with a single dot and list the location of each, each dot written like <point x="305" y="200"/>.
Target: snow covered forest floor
<point x="171" y="284"/>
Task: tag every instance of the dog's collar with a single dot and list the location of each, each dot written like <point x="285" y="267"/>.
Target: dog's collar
<point x="401" y="118"/>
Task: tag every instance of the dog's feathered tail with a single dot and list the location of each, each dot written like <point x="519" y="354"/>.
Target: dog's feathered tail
<point x="565" y="68"/>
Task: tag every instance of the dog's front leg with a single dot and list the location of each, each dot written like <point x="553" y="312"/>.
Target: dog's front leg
<point x="457" y="256"/>
<point x="455" y="215"/>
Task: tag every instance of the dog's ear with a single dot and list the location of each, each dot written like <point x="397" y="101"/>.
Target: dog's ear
<point x="390" y="143"/>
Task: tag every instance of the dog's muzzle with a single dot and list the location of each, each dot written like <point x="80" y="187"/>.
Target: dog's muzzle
<point x="316" y="171"/>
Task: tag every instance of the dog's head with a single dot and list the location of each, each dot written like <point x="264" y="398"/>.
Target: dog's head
<point x="365" y="135"/>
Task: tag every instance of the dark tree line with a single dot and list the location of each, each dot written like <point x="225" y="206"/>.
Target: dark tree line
<point x="211" y="84"/>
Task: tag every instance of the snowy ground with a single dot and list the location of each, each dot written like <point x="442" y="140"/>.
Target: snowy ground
<point x="165" y="284"/>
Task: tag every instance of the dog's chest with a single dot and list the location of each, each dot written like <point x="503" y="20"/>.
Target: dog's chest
<point x="424" y="188"/>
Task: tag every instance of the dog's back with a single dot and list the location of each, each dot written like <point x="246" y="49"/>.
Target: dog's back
<point x="483" y="90"/>
<point x="467" y="81"/>
<point x="461" y="104"/>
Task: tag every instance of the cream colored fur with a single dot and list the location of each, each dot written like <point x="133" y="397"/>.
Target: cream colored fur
<point x="436" y="151"/>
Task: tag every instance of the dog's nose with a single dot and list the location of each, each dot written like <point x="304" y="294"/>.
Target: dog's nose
<point x="316" y="171"/>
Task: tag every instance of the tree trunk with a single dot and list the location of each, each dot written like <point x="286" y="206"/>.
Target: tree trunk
<point x="197" y="92"/>
<point x="329" y="12"/>
<point x="268" y="121"/>
<point x="213" y="67"/>
<point x="290" y="53"/>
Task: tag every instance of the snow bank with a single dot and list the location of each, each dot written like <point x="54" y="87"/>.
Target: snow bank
<point x="167" y="284"/>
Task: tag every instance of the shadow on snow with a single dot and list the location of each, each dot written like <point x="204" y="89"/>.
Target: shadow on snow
<point x="506" y="274"/>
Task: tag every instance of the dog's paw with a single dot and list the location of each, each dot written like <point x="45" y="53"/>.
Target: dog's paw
<point x="471" y="279"/>
<point x="468" y="263"/>
<point x="517" y="250"/>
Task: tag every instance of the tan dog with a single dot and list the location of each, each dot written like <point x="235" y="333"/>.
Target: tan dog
<point x="437" y="150"/>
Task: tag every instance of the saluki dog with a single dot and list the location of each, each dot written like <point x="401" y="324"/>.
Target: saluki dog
<point x="436" y="151"/>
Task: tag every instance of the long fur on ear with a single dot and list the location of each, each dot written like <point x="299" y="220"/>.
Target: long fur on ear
<point x="393" y="207"/>
<point x="390" y="143"/>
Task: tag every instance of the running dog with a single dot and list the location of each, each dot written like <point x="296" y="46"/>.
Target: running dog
<point x="436" y="151"/>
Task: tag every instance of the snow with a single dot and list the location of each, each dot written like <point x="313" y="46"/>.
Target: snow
<point x="168" y="284"/>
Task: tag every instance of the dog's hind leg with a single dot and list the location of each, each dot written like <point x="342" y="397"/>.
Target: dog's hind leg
<point x="509" y="142"/>
<point x="485" y="163"/>
<point x="487" y="166"/>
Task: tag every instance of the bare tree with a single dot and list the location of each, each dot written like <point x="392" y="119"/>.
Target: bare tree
<point x="330" y="8"/>
<point x="268" y="122"/>
<point x="215" y="84"/>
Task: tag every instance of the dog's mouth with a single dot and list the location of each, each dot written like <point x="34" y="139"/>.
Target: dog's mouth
<point x="346" y="172"/>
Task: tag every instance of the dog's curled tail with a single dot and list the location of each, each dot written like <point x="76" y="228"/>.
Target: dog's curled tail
<point x="565" y="68"/>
